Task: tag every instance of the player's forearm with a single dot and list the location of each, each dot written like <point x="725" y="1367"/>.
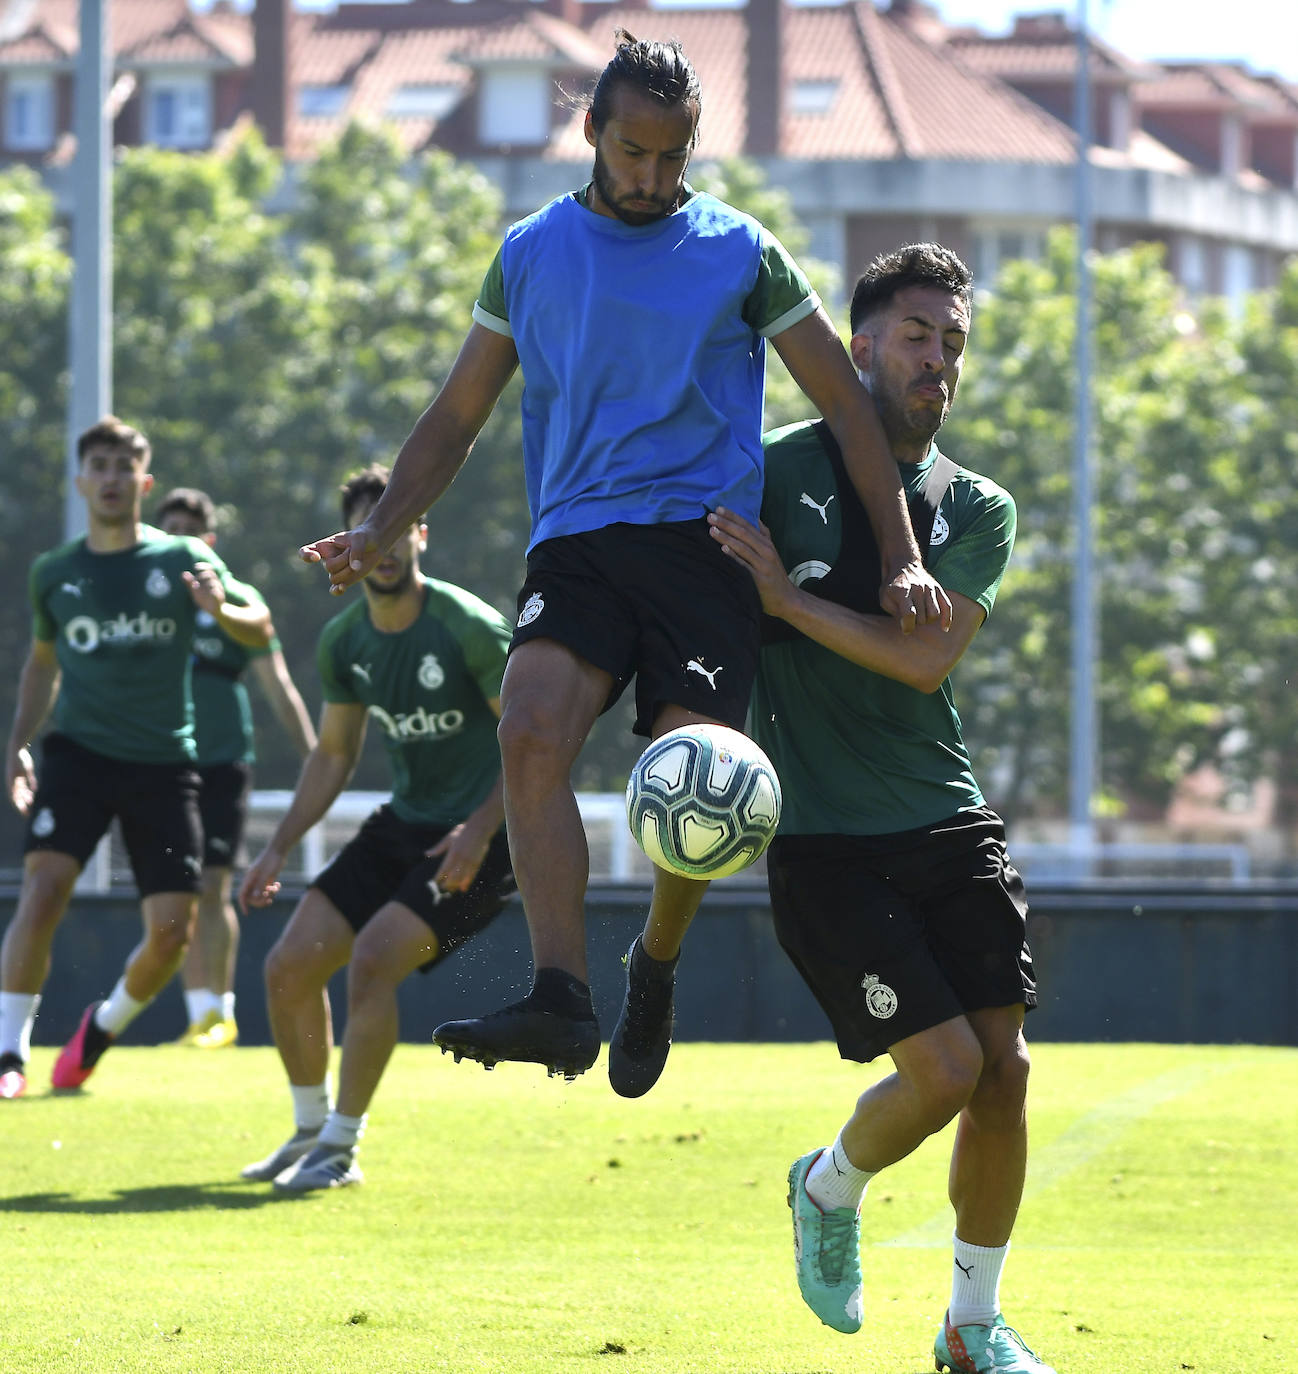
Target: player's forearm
<point x="919" y="660"/>
<point x="488" y="816"/>
<point x="323" y="777"/>
<point x="874" y="474"/>
<point x="37" y="687"/>
<point x="434" y="451"/>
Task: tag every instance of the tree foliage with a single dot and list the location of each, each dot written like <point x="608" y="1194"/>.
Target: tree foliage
<point x="272" y="335"/>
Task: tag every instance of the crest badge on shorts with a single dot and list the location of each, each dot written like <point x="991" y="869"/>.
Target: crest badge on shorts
<point x="880" y="1000"/>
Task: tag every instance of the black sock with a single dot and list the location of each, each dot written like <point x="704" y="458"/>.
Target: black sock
<point x="96" y="1041"/>
<point x="556" y="990"/>
<point x="644" y="965"/>
<point x="9" y="1060"/>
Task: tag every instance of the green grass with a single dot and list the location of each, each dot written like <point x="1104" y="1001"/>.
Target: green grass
<point x="514" y="1224"/>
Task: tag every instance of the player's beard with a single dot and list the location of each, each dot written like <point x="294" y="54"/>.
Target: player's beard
<point x="608" y="194"/>
<point x="909" y="428"/>
<point x="397" y="587"/>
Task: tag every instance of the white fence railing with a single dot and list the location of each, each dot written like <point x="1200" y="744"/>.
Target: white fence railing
<point x="615" y="857"/>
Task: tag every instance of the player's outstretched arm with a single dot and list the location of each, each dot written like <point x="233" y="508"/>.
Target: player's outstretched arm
<point x="325" y="772"/>
<point x="922" y="658"/>
<point x="432" y="454"/>
<point x="38" y="685"/>
<point x="279" y="689"/>
<point x="821" y="366"/>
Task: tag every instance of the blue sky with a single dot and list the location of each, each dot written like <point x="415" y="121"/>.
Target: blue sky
<point x="1261" y="33"/>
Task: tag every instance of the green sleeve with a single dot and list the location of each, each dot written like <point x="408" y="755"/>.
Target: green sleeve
<point x="490" y="309"/>
<point x="43" y="627"/>
<point x="334" y="680"/>
<point x="974" y="561"/>
<point x="482" y="633"/>
<point x="781" y="295"/>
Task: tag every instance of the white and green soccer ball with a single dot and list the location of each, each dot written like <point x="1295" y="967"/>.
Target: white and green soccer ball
<point x="703" y="801"/>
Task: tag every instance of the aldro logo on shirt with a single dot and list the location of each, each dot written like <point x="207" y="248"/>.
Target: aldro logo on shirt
<point x="85" y="634"/>
<point x="410" y="727"/>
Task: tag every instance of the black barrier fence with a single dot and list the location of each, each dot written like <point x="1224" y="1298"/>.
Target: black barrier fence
<point x="1203" y="964"/>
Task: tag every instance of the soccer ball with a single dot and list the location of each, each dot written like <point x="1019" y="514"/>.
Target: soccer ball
<point x="703" y="801"/>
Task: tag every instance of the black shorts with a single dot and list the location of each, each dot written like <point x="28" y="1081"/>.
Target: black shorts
<point x="660" y="603"/>
<point x="223" y="805"/>
<point x="897" y="933"/>
<point x="385" y="862"/>
<point x="79" y="792"/>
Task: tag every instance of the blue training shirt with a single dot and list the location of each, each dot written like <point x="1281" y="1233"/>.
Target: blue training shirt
<point x="643" y="357"/>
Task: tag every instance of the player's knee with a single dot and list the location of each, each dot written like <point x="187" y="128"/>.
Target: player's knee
<point x="170" y="939"/>
<point x="529" y="737"/>
<point x="946" y="1078"/>
<point x="281" y="972"/>
<point x="369" y="974"/>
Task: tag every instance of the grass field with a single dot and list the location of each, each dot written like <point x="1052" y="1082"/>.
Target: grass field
<point x="514" y="1224"/>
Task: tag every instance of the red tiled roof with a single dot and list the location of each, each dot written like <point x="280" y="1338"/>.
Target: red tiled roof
<point x="41" y="46"/>
<point x="1048" y="58"/>
<point x="1218" y="86"/>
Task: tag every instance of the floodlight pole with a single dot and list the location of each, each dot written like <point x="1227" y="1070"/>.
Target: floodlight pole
<point x="1085" y="620"/>
<point x="90" y="314"/>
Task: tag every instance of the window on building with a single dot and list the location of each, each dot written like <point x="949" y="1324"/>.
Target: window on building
<point x="29" y="113"/>
<point x="322" y="101"/>
<point x="812" y="97"/>
<point x="515" y="106"/>
<point x="422" y="102"/>
<point x="178" y="111"/>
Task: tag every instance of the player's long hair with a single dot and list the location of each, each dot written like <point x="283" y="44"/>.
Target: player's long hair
<point x="917" y="264"/>
<point x="659" y="70"/>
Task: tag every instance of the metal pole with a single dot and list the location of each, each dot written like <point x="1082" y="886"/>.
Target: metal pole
<point x="1084" y="733"/>
<point x="90" y="312"/>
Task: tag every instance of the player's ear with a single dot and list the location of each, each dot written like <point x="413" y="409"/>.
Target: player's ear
<point x="209" y="538"/>
<point x="861" y="349"/>
<point x="588" y="128"/>
<point x="148" y="484"/>
<point x="423" y="537"/>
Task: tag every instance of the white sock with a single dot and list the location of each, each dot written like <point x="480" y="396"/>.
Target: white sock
<point x="834" y="1181"/>
<point x="199" y="1002"/>
<point x="227" y="1006"/>
<point x="311" y="1104"/>
<point x="976" y="1283"/>
<point x="17" y="1013"/>
<point x="115" y="1014"/>
<point x="343" y="1130"/>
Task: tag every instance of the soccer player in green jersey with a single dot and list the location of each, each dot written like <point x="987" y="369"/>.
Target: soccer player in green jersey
<point x="423" y="659"/>
<point x="114" y="615"/>
<point x="891" y="887"/>
<point x="223" y="736"/>
<point x="638" y="311"/>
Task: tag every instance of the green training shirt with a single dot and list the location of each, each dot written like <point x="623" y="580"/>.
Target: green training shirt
<point x="427" y="688"/>
<point x="223" y="730"/>
<point x="123" y="628"/>
<point x="858" y="753"/>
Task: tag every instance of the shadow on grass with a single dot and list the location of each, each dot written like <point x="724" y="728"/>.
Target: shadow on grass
<point x="185" y="1197"/>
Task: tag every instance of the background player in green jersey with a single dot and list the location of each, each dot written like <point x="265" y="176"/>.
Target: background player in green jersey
<point x="638" y="311"/>
<point x="425" y="872"/>
<point x="113" y="618"/>
<point x="890" y="882"/>
<point x="223" y="736"/>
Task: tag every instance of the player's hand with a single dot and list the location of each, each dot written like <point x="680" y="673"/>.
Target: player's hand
<point x="20" y="779"/>
<point x="753" y="547"/>
<point x="462" y="853"/>
<point x="914" y="598"/>
<point x="205" y="588"/>
<point x="347" y="556"/>
<point x="260" y="885"/>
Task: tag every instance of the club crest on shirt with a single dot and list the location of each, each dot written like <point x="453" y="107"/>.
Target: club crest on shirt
<point x="430" y="675"/>
<point x="880" y="1000"/>
<point x="941" y="531"/>
<point x="533" y="607"/>
<point x="204" y="620"/>
<point x="157" y="583"/>
<point x="809" y="571"/>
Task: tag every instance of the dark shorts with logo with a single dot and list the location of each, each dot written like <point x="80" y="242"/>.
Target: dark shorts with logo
<point x="223" y="805"/>
<point x="80" y="791"/>
<point x="897" y="933"/>
<point x="660" y="603"/>
<point x="385" y="861"/>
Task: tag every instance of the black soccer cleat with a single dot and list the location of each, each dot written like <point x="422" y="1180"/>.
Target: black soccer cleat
<point x="642" y="1037"/>
<point x="566" y="1045"/>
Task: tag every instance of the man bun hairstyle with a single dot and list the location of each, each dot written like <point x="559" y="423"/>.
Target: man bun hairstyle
<point x="113" y="433"/>
<point x="917" y="264"/>
<point x="658" y="70"/>
<point x="189" y="501"/>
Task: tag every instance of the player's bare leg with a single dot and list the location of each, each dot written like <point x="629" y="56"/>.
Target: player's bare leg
<point x="549" y="700"/>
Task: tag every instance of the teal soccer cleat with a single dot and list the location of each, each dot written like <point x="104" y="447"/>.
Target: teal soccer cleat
<point x="994" y="1349"/>
<point x="826" y="1253"/>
